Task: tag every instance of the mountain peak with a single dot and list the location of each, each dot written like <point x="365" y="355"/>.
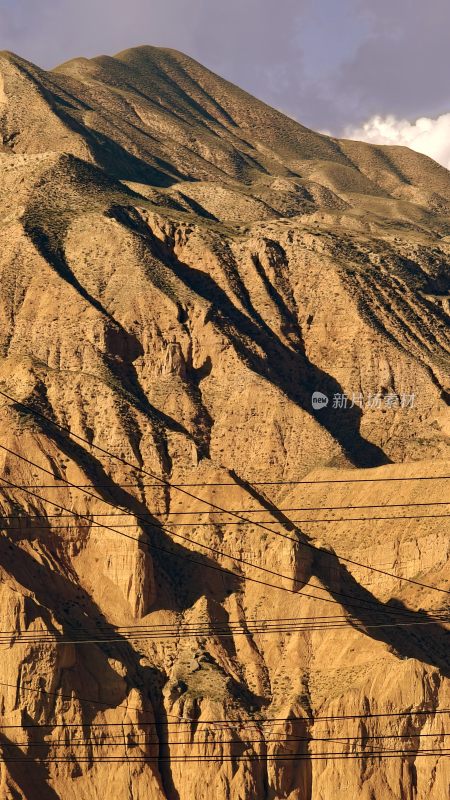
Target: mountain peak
<point x="154" y="116"/>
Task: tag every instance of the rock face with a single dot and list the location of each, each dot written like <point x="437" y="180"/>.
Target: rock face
<point x="181" y="268"/>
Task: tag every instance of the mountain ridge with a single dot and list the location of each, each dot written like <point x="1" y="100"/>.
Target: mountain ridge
<point x="165" y="64"/>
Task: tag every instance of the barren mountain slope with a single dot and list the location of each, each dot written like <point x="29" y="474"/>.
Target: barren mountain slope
<point x="181" y="267"/>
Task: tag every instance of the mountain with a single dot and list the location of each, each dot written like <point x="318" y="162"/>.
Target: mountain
<point x="182" y="268"/>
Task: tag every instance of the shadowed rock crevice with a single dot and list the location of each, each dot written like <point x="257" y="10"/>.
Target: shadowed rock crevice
<point x="181" y="566"/>
<point x="290" y="371"/>
<point x="427" y="643"/>
<point x="31" y="779"/>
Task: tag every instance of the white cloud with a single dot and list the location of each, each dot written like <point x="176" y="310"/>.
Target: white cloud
<point x="429" y="136"/>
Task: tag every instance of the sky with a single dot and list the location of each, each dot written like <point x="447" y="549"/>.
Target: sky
<point x="372" y="69"/>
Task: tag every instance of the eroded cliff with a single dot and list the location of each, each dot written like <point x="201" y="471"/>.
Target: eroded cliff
<point x="181" y="268"/>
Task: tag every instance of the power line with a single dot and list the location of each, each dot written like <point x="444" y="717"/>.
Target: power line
<point x="285" y="740"/>
<point x="232" y="722"/>
<point x="51" y="527"/>
<point x="250" y="723"/>
<point x="198" y="759"/>
<point x="219" y="523"/>
<point x="59" y="696"/>
<point x="112" y="741"/>
<point x="367" y="603"/>
<point x="212" y="523"/>
<point x="251" y="621"/>
<point x="181" y="624"/>
<point x="189" y="494"/>
<point x="181" y="627"/>
<point x="219" y="552"/>
<point x="273" y="483"/>
<point x="228" y="572"/>
<point x="222" y="633"/>
<point x="255" y="510"/>
<point x="231" y="483"/>
<point x="289" y="739"/>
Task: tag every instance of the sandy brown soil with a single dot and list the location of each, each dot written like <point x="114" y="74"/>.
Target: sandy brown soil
<point x="181" y="267"/>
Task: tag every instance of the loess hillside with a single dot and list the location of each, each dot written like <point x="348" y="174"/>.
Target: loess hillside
<point x="181" y="269"/>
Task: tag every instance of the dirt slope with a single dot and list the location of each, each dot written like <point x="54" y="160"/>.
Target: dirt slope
<point x="181" y="268"/>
